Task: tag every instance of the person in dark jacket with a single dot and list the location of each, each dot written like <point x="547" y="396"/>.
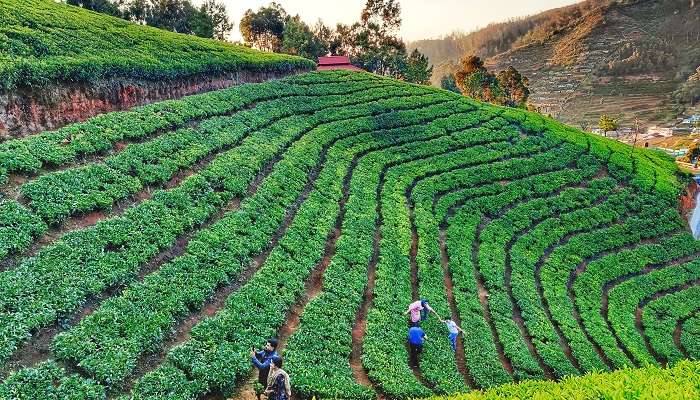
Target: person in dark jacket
<point x="278" y="384"/>
<point x="263" y="358"/>
<point x="416" y="338"/>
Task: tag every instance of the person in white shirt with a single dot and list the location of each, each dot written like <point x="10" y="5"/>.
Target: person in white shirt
<point x="454" y="331"/>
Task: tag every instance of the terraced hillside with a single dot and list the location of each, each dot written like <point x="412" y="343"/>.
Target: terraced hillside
<point x="60" y="63"/>
<point x="146" y="257"/>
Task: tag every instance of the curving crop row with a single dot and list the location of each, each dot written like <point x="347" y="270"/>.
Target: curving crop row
<point x="614" y="267"/>
<point x="189" y="280"/>
<point x="208" y="362"/>
<point x="492" y="262"/>
<point x="559" y="269"/>
<point x="36" y="292"/>
<point x="100" y="134"/>
<point x="635" y="168"/>
<point x="346" y="274"/>
<point x="661" y="317"/>
<point x="680" y="266"/>
<point x="21" y="225"/>
<point x="384" y="341"/>
<point x="524" y="251"/>
<point x="59" y="195"/>
<point x="366" y="218"/>
<point x="480" y="187"/>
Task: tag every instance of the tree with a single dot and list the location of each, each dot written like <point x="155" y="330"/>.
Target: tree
<point x="385" y="14"/>
<point x="100" y="6"/>
<point x="217" y="19"/>
<point x="448" y="83"/>
<point x="474" y="80"/>
<point x="210" y="20"/>
<point x="299" y="40"/>
<point x="264" y="28"/>
<point x="514" y="88"/>
<point x="172" y="15"/>
<point x="372" y="43"/>
<point x="607" y="124"/>
<point x="417" y="69"/>
<point x="328" y="37"/>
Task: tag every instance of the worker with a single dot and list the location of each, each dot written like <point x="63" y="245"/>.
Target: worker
<point x="453" y="330"/>
<point x="419" y="310"/>
<point x="416" y="338"/>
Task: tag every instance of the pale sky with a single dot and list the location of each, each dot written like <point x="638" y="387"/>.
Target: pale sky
<point x="422" y="19"/>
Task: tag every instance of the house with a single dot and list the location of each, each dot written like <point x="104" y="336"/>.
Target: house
<point x="665" y="132"/>
<point x="336" y="62"/>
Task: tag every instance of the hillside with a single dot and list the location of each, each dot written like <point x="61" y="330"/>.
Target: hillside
<point x="148" y="259"/>
<point x="57" y="61"/>
<point x="621" y="58"/>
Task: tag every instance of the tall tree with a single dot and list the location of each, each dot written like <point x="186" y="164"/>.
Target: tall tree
<point x="418" y="69"/>
<point x="607" y="124"/>
<point x="217" y="19"/>
<point x="172" y="15"/>
<point x="385" y="14"/>
<point x="448" y="83"/>
<point x="474" y="80"/>
<point x="298" y="39"/>
<point x="265" y="28"/>
<point x="514" y="88"/>
<point x="101" y="6"/>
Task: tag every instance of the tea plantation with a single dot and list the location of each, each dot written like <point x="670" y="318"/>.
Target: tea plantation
<point x="145" y="252"/>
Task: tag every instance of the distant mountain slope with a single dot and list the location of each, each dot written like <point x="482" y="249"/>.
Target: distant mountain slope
<point x="624" y="58"/>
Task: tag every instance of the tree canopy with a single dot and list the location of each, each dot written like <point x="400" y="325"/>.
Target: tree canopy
<point x="506" y="88"/>
<point x="210" y="20"/>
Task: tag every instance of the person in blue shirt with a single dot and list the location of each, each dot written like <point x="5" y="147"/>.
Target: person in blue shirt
<point x="416" y="338"/>
<point x="263" y="358"/>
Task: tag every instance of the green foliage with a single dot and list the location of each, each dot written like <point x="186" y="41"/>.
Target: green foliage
<point x="48" y="381"/>
<point x="448" y="83"/>
<point x="210" y="20"/>
<point x="341" y="173"/>
<point x="298" y="39"/>
<point x="417" y="69"/>
<point x="506" y="88"/>
<point x="47" y="42"/>
<point x="264" y="28"/>
<point x="607" y="123"/>
<point x="677" y="382"/>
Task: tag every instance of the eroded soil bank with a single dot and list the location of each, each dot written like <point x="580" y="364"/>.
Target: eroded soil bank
<point x="27" y="110"/>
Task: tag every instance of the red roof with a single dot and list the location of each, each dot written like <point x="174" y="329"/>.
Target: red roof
<point x="336" y="62"/>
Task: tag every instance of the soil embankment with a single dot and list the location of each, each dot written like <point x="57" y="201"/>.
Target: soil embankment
<point x="27" y="110"/>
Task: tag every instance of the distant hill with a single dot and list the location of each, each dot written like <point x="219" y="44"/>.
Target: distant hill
<point x="624" y="58"/>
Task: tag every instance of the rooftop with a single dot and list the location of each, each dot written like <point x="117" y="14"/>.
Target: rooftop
<point x="336" y="62"/>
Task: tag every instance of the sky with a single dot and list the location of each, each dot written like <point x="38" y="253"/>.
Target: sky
<point x="422" y="19"/>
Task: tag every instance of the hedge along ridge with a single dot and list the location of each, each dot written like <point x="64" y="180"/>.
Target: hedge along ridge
<point x="99" y="134"/>
<point x="682" y="381"/>
<point x="110" y="252"/>
<point x="187" y="281"/>
<point x="44" y="42"/>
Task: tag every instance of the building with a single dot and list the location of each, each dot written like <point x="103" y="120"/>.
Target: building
<point x="336" y="62"/>
<point x="658" y="131"/>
